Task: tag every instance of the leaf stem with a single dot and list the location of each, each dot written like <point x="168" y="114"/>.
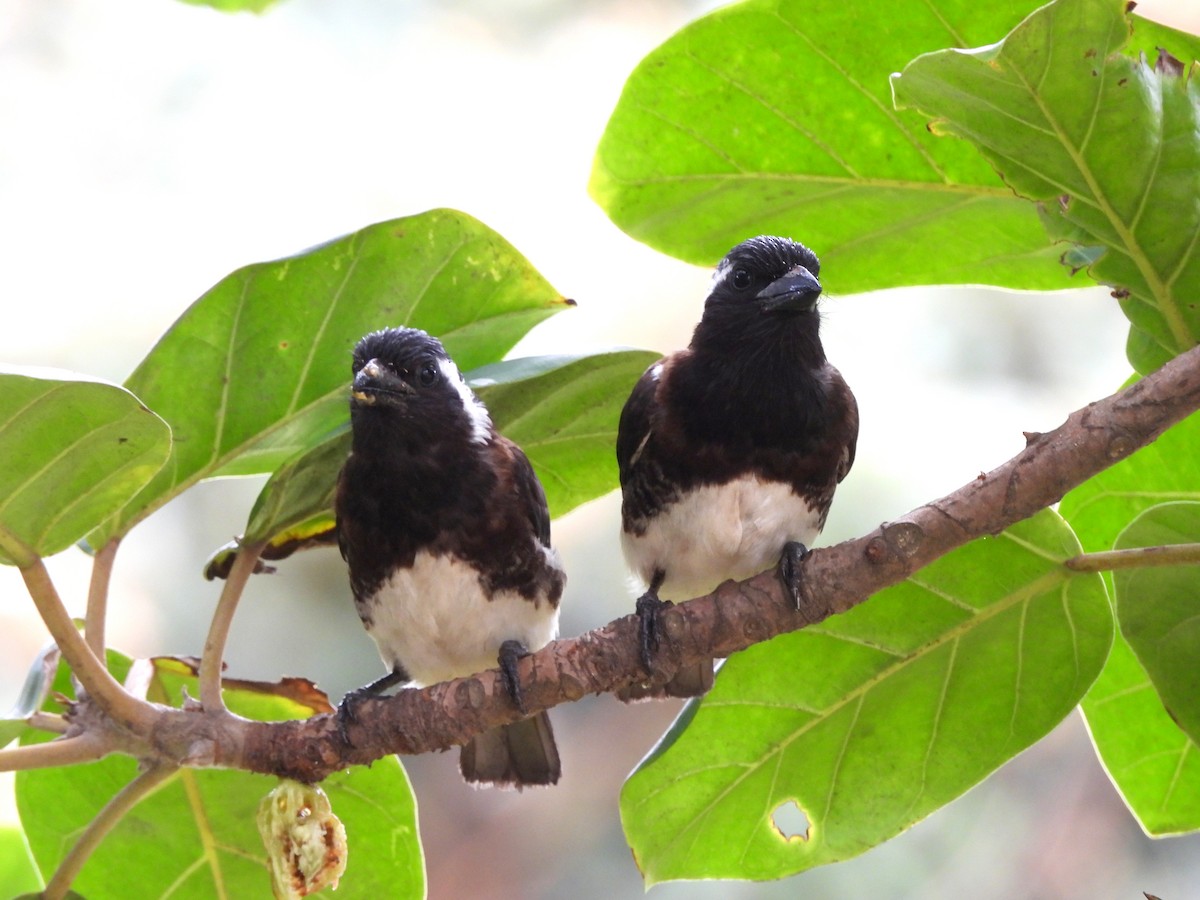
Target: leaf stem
<point x="124" y="709"/>
<point x="1137" y="557"/>
<point x="44" y="721"/>
<point x="218" y="632"/>
<point x="98" y="829"/>
<point x="64" y="752"/>
<point x="97" y="602"/>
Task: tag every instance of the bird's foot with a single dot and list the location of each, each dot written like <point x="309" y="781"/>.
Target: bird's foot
<point x="347" y="714"/>
<point x="790" y="561"/>
<point x="649" y="609"/>
<point x="510" y="653"/>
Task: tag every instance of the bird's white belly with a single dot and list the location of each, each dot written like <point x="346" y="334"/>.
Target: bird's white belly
<point x="434" y="620"/>
<point x="718" y="532"/>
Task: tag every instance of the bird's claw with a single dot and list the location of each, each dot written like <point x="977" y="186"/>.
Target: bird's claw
<point x="346" y="713"/>
<point x="649" y="609"/>
<point x="510" y="653"/>
<point x="790" y="561"/>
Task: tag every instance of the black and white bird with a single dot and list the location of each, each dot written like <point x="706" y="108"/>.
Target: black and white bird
<point x="446" y="531"/>
<point x="730" y="451"/>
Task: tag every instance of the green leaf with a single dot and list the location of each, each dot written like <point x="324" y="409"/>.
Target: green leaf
<point x="875" y="718"/>
<point x="17" y="871"/>
<point x="1168" y="469"/>
<point x="255" y="6"/>
<point x="74" y="449"/>
<point x="776" y="116"/>
<point x="1154" y="765"/>
<point x="562" y="410"/>
<point x="1158" y="612"/>
<point x="258" y="368"/>
<point x="196" y="835"/>
<point x="300" y="490"/>
<point x="1108" y="144"/>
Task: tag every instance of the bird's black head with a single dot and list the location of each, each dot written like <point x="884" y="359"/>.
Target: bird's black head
<point x="406" y="386"/>
<point x="769" y="275"/>
<point x="764" y="288"/>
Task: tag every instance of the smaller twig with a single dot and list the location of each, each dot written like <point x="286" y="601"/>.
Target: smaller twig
<point x="98" y="829"/>
<point x="97" y="602"/>
<point x="218" y="631"/>
<point x="44" y="721"/>
<point x="1136" y="557"/>
<point x="62" y="752"/>
<point x="101" y="687"/>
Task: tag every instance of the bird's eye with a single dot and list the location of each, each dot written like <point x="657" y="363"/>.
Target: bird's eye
<point x="741" y="279"/>
<point x="428" y="374"/>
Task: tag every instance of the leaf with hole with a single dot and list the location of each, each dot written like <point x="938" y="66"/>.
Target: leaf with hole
<point x="257" y="369"/>
<point x="75" y="449"/>
<point x="1107" y="143"/>
<point x="821" y="744"/>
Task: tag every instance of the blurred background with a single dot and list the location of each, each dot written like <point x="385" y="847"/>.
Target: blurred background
<point x="150" y="147"/>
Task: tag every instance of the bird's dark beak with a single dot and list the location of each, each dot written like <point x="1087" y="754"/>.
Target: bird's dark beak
<point x="375" y="382"/>
<point x="796" y="291"/>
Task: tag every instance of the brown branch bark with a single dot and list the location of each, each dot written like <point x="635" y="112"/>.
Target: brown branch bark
<point x="732" y="618"/>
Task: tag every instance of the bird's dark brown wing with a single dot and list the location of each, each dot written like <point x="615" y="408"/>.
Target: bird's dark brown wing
<point x="531" y="492"/>
<point x="633" y="429"/>
<point x="849" y="427"/>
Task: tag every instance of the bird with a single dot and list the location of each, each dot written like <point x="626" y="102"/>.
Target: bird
<point x="729" y="451"/>
<point x="445" y="530"/>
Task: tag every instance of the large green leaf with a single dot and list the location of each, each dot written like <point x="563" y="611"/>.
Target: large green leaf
<point x="257" y="369"/>
<point x="875" y="718"/>
<point x="1158" y="611"/>
<point x="1109" y="145"/>
<point x="1152" y="762"/>
<point x="196" y="837"/>
<point x="17" y="871"/>
<point x="1155" y="766"/>
<point x="72" y="451"/>
<point x="776" y="116"/>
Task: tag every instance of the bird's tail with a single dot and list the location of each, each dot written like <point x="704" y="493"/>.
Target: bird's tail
<point x="513" y="756"/>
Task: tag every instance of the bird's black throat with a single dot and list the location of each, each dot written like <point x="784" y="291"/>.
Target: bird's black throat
<point x="752" y="379"/>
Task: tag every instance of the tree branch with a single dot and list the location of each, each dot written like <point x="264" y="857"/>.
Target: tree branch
<point x="211" y="661"/>
<point x="62" y="752"/>
<point x="97" y="602"/>
<point x="125" y="710"/>
<point x="737" y="615"/>
<point x="732" y="618"/>
<point x="1136" y="557"/>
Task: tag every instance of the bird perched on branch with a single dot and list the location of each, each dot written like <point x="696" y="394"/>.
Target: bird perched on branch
<point x="446" y="531"/>
<point x="730" y="451"/>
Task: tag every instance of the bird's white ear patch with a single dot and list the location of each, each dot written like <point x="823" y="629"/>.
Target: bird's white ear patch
<point x="481" y="422"/>
<point x="721" y="273"/>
